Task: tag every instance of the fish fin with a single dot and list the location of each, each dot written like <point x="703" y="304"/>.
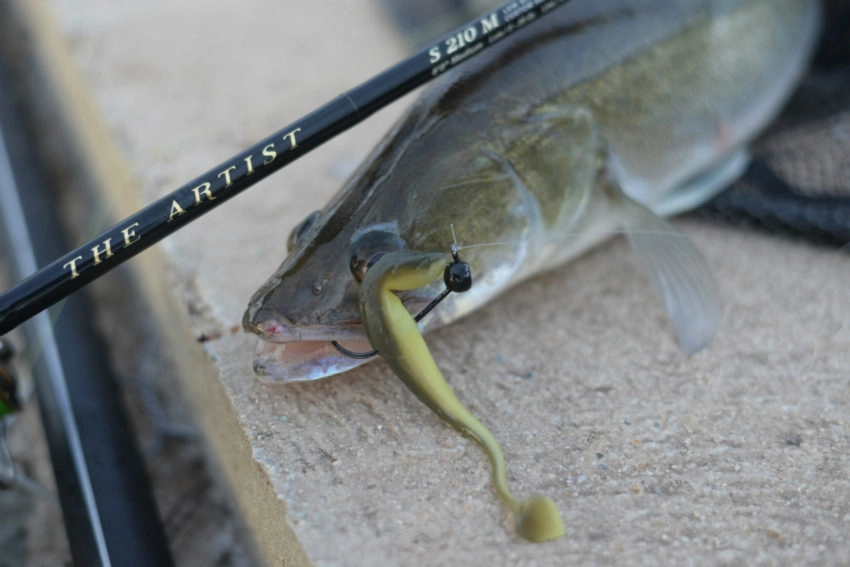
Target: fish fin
<point x="678" y="272"/>
<point x="705" y="185"/>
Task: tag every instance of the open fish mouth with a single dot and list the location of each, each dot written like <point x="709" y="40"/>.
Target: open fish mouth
<point x="305" y="360"/>
<point x="293" y="353"/>
<point x="276" y="331"/>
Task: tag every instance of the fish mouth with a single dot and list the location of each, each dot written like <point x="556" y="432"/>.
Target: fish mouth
<point x="277" y="331"/>
<point x="273" y="327"/>
<point x="306" y="360"/>
<point x="287" y="352"/>
<point x="290" y="353"/>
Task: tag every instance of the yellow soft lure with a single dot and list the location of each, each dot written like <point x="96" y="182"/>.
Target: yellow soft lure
<point x="394" y="333"/>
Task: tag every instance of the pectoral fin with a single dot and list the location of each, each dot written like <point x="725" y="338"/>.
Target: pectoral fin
<point x="678" y="273"/>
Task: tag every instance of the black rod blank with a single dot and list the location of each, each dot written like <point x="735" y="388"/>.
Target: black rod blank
<point x="107" y="505"/>
<point x="159" y="219"/>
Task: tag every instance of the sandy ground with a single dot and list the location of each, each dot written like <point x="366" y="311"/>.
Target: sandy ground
<point x="737" y="455"/>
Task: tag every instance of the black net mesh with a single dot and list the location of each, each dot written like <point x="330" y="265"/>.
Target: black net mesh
<point x="799" y="181"/>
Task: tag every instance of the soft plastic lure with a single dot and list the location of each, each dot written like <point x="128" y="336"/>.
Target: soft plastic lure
<point x="394" y="333"/>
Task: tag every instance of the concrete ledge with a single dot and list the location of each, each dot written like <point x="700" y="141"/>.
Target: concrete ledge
<point x="736" y="455"/>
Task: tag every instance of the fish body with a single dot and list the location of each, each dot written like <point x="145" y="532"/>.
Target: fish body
<point x="589" y="120"/>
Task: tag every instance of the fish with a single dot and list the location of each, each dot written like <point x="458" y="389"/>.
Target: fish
<point x="604" y="117"/>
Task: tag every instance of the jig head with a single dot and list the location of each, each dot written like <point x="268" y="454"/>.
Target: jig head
<point x="458" y="278"/>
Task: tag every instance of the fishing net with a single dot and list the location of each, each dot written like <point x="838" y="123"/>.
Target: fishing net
<point x="799" y="180"/>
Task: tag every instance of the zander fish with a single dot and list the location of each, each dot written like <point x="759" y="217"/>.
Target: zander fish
<point x="602" y="117"/>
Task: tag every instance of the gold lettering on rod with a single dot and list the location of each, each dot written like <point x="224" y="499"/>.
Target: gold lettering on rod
<point x="96" y="251"/>
<point x="130" y="234"/>
<point x="176" y="211"/>
<point x="291" y="137"/>
<point x="73" y="265"/>
<point x="204" y="189"/>
<point x="490" y="23"/>
<point x="226" y="174"/>
<point x="269" y="154"/>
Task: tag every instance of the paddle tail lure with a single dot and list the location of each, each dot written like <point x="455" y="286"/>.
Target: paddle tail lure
<point x="393" y="332"/>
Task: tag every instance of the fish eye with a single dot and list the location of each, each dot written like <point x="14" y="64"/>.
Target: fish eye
<point x="369" y="247"/>
<point x="359" y="266"/>
<point x="300" y="230"/>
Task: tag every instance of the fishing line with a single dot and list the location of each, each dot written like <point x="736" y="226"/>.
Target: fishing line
<point x="567" y="235"/>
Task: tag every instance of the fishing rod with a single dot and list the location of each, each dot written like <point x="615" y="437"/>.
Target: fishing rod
<point x="170" y="213"/>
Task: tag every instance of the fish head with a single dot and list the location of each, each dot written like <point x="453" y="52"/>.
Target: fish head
<point x="292" y="306"/>
<point x="398" y="200"/>
<point x="312" y="298"/>
<point x="409" y="193"/>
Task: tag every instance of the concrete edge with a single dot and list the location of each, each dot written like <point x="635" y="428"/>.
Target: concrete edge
<point x="111" y="178"/>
